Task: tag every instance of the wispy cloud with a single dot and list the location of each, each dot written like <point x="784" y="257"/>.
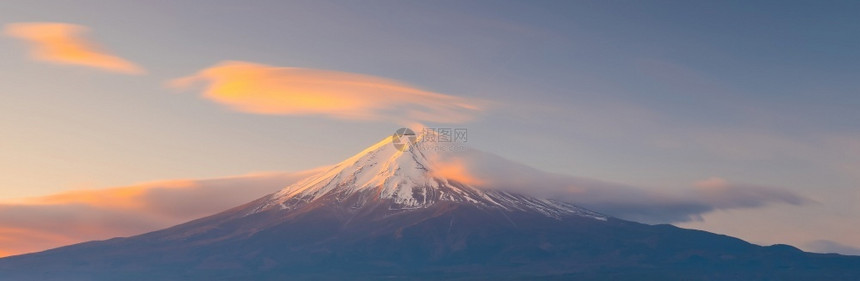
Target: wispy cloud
<point x="625" y="201"/>
<point x="263" y="89"/>
<point x="31" y="224"/>
<point x="64" y="44"/>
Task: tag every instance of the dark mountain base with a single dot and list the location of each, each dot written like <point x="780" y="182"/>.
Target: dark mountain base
<point x="445" y="242"/>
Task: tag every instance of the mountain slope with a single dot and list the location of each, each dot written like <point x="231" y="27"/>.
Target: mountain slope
<point x="404" y="180"/>
<point x="386" y="214"/>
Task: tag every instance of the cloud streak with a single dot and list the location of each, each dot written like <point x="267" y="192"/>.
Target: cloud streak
<point x="629" y="202"/>
<point x="63" y="43"/>
<point x="31" y="224"/>
<point x="263" y="89"/>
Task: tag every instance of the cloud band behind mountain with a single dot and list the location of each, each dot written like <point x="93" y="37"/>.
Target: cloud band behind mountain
<point x="31" y="224"/>
<point x="625" y="201"/>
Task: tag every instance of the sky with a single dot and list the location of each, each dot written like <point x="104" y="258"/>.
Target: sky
<point x="735" y="117"/>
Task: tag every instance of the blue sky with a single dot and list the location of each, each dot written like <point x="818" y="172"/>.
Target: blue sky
<point x="653" y="94"/>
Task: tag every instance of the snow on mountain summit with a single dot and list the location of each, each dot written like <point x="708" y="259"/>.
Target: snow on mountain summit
<point x="391" y="172"/>
<point x="404" y="179"/>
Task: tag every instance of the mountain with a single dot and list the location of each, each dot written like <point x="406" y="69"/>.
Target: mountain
<point x="386" y="213"/>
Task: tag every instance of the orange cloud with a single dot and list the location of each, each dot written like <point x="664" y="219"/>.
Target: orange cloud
<point x="62" y="43"/>
<point x="11" y="240"/>
<point x="458" y="170"/>
<point x="32" y="224"/>
<point x="127" y="197"/>
<point x="263" y="89"/>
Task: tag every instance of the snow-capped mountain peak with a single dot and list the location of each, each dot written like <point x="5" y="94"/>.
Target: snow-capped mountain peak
<point x="403" y="177"/>
<point x="381" y="167"/>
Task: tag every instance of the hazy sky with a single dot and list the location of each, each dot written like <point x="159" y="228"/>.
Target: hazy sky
<point x="659" y="95"/>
